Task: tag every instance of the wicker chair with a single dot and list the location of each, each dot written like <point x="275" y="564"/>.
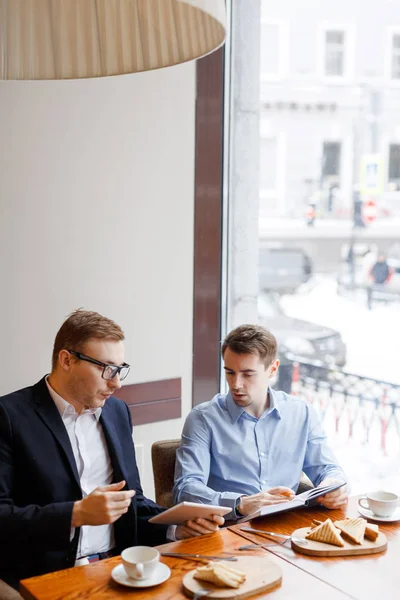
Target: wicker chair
<point x="163" y="459"/>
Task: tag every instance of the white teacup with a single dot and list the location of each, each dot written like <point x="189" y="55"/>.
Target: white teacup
<point x="382" y="504"/>
<point x="140" y="562"/>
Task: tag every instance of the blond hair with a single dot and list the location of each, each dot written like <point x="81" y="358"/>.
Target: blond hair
<point x="81" y="326"/>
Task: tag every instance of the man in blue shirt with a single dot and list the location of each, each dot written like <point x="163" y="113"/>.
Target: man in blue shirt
<point x="248" y="449"/>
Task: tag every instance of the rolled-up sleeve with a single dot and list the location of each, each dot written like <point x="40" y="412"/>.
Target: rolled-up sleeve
<point x="192" y="467"/>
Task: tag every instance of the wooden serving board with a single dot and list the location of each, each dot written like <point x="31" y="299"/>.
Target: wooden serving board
<point x="320" y="549"/>
<point x="262" y="575"/>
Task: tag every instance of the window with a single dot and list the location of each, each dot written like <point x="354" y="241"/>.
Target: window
<point x="325" y="126"/>
<point x="273" y="49"/>
<point x="268" y="164"/>
<point x="331" y="159"/>
<point x="272" y="173"/>
<point x="395" y="71"/>
<point x="394" y="163"/>
<point x="334" y="53"/>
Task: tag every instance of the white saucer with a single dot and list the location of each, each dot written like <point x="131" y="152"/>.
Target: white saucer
<point x="365" y="512"/>
<point x="161" y="574"/>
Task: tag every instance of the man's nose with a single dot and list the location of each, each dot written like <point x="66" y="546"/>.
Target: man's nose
<point x="237" y="383"/>
<point x="115" y="382"/>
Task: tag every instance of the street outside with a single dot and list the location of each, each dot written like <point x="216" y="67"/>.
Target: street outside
<point x="373" y="350"/>
<point x="372" y="336"/>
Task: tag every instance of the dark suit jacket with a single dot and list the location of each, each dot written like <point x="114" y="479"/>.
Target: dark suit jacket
<point x="39" y="484"/>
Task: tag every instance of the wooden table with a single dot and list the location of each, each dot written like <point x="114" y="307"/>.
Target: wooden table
<point x="94" y="580"/>
<point x="361" y="577"/>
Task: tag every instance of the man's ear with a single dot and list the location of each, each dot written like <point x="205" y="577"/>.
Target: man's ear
<point x="274" y="367"/>
<point x="65" y="359"/>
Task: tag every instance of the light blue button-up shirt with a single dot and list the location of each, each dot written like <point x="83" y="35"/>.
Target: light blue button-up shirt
<point x="226" y="452"/>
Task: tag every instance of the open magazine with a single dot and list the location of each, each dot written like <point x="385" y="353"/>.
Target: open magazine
<point x="303" y="499"/>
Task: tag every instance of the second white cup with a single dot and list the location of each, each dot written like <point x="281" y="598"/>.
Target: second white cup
<point x="382" y="504"/>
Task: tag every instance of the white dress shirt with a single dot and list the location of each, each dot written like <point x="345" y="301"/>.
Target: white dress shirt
<point x="93" y="464"/>
<point x="94" y="469"/>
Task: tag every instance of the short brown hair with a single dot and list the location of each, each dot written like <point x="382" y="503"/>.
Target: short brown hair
<point x="81" y="326"/>
<point x="252" y="339"/>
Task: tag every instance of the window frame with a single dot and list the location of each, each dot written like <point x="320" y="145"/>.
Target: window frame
<point x="283" y="50"/>
<point x="278" y="192"/>
<point x="349" y="52"/>
<point x="391" y="31"/>
<point x="391" y="142"/>
<point x="339" y="143"/>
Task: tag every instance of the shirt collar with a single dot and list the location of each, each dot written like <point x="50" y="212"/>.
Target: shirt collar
<point x="236" y="412"/>
<point x="273" y="403"/>
<point x="65" y="408"/>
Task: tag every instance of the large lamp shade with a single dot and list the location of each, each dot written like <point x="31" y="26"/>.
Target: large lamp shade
<point x="73" y="39"/>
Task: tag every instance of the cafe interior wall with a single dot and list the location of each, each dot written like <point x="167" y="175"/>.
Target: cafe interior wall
<point x="96" y="211"/>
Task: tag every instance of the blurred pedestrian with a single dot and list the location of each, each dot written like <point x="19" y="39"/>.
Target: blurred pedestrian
<point x="379" y="276"/>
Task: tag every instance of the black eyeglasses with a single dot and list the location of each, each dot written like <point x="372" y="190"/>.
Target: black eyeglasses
<point x="109" y="371"/>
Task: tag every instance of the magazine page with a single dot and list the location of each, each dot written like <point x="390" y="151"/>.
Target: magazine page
<point x="298" y="501"/>
<point x="314" y="493"/>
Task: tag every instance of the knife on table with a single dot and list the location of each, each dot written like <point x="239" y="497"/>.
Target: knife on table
<point x="185" y="555"/>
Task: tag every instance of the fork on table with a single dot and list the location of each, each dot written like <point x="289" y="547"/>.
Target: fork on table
<point x="285" y="538"/>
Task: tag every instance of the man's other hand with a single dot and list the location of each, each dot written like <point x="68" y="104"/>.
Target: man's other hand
<point x="276" y="495"/>
<point x="337" y="498"/>
<point x="199" y="526"/>
<point x="103" y="506"/>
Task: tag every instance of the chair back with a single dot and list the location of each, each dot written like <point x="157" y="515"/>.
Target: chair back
<point x="8" y="593"/>
<point x="163" y="459"/>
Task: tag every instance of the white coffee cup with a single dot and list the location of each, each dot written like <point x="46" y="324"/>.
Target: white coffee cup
<point x="140" y="562"/>
<point x="382" y="504"/>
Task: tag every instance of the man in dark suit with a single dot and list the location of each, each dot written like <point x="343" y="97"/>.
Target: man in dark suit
<point x="70" y="491"/>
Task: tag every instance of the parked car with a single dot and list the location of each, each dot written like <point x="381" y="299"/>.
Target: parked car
<point x="301" y="338"/>
<point x="283" y="269"/>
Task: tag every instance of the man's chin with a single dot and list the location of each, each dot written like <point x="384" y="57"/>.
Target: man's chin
<point x="98" y="401"/>
<point x="241" y="400"/>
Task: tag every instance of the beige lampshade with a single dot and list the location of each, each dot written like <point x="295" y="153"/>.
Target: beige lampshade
<point x="73" y="39"/>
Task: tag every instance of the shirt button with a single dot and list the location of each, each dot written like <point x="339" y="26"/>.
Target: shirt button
<point x="263" y="454"/>
<point x="264" y="481"/>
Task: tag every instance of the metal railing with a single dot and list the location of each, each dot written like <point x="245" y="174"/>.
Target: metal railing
<point x="351" y="406"/>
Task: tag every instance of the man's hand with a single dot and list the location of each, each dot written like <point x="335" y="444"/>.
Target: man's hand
<point x="335" y="499"/>
<point x="277" y="495"/>
<point x="102" y="506"/>
<point x="198" y="527"/>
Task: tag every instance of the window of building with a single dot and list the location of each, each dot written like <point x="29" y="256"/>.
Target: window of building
<point x="334" y="53"/>
<point x="394" y="163"/>
<point x="331" y="159"/>
<point x="272" y="173"/>
<point x="395" y="72"/>
<point x="268" y="164"/>
<point x="273" y="49"/>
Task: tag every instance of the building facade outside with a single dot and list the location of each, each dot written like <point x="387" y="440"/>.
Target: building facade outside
<point x="330" y="107"/>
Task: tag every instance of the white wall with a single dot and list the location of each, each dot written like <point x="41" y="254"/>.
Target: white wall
<point x="96" y="210"/>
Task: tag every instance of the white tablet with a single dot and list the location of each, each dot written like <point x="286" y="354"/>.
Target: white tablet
<point x="188" y="511"/>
